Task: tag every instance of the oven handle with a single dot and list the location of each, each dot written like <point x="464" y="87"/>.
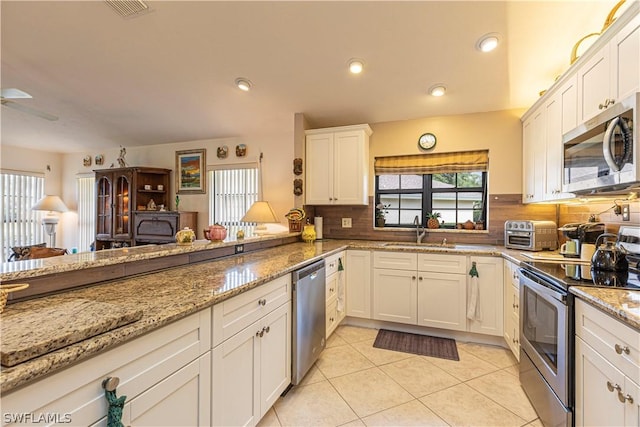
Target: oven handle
<point x="539" y="288"/>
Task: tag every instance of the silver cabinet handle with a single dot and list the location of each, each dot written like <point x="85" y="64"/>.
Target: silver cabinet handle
<point x="260" y="333"/>
<point x="413" y="277"/>
<point x="262" y="302"/>
<point x="612" y="387"/>
<point x="110" y="383"/>
<point x="629" y="398"/>
<point x="621" y="350"/>
<point x="420" y="278"/>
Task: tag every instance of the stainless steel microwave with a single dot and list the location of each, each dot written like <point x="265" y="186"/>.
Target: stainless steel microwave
<point x="602" y="154"/>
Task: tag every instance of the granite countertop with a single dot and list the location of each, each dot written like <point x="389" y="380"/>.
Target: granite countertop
<point x="623" y="304"/>
<point x="171" y="294"/>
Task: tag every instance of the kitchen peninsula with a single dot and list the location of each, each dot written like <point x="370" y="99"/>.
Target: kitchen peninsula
<point x="183" y="295"/>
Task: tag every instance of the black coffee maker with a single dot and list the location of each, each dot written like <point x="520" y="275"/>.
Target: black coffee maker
<point x="582" y="232"/>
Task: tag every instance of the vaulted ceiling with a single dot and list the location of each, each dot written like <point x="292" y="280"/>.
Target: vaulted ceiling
<point x="167" y="75"/>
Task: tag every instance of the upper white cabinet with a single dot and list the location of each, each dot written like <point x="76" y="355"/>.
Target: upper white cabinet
<point x="533" y="150"/>
<point x="611" y="74"/>
<point x="337" y="170"/>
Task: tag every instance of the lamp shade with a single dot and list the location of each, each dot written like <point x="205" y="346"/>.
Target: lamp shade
<point x="260" y="212"/>
<point x="51" y="204"/>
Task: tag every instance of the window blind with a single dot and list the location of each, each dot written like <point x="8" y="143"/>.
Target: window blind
<point x="421" y="164"/>
<point x="86" y="196"/>
<point x="234" y="190"/>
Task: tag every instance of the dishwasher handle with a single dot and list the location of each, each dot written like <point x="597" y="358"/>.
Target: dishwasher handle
<point x="310" y="271"/>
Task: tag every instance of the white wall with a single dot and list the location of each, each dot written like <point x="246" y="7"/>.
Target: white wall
<point x="277" y="176"/>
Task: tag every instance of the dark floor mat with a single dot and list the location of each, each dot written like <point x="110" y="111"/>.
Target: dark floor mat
<point x="424" y="345"/>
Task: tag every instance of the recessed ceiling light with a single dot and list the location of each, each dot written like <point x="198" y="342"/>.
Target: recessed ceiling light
<point x="356" y="66"/>
<point x="243" y="84"/>
<point x="437" y="90"/>
<point x="488" y="42"/>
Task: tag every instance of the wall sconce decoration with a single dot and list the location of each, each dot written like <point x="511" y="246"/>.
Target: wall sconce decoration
<point x="241" y="150"/>
<point x="297" y="166"/>
<point x="297" y="187"/>
<point x="86" y="161"/>
<point x="222" y="152"/>
<point x="99" y="160"/>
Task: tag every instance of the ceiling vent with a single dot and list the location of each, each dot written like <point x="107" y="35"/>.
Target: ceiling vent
<point x="128" y="8"/>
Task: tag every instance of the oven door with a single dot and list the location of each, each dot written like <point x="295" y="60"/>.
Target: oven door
<point x="544" y="332"/>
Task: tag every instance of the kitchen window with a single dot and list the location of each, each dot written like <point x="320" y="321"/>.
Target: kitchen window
<point x="233" y="191"/>
<point x="20" y="225"/>
<point x="454" y="186"/>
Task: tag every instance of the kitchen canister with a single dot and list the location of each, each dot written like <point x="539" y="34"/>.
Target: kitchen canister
<point x="317" y="221"/>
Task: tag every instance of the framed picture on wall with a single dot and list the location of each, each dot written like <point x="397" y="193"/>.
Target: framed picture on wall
<point x="191" y="171"/>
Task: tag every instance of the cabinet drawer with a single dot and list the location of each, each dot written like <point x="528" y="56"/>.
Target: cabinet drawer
<point x="331" y="291"/>
<point x="331" y="263"/>
<point x="438" y="263"/>
<point x="332" y="317"/>
<point x="395" y="260"/>
<point x="614" y="340"/>
<point x="156" y="226"/>
<point x="235" y="314"/>
<point x="139" y="364"/>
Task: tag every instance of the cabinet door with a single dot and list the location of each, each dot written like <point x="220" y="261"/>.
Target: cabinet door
<point x="553" y="164"/>
<point x="593" y="85"/>
<point x="394" y="295"/>
<point x="183" y="398"/>
<point x="358" y="284"/>
<point x="511" y="308"/>
<point x="319" y="169"/>
<point x="350" y="168"/>
<point x="596" y="404"/>
<point x="625" y="59"/>
<point x="442" y="300"/>
<point x="569" y="100"/>
<point x="275" y="357"/>
<point x="104" y="202"/>
<point x="632" y="407"/>
<point x="533" y="162"/>
<point x="122" y="195"/>
<point x="235" y="367"/>
<point x="490" y="281"/>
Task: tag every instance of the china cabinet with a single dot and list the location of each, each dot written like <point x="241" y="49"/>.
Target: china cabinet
<point x="120" y="193"/>
<point x="337" y="171"/>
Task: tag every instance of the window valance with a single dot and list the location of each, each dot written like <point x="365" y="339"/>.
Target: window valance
<point x="462" y="161"/>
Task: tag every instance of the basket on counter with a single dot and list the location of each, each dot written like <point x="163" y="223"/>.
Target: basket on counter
<point x="5" y="289"/>
<point x="295" y="217"/>
<point x="295" y="226"/>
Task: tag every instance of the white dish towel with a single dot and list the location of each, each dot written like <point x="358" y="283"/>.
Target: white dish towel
<point x="474" y="311"/>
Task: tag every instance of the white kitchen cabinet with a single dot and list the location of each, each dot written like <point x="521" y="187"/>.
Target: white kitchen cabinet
<point x="442" y="291"/>
<point x="156" y="371"/>
<point x="251" y="368"/>
<point x="607" y="369"/>
<point x="337" y="167"/>
<point x="534" y="157"/>
<point x="491" y="288"/>
<point x="611" y="74"/>
<point x="395" y="294"/>
<point x="188" y="389"/>
<point x="512" y="308"/>
<point x="335" y="291"/>
<point x="358" y="269"/>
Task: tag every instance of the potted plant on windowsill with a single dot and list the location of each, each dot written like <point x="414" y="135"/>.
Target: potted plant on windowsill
<point x="381" y="212"/>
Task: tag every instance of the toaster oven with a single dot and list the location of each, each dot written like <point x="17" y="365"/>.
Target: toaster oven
<point x="531" y="235"/>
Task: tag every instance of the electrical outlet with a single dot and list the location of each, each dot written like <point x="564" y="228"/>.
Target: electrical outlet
<point x="239" y="249"/>
<point x="625" y="213"/>
<point x="346" y="222"/>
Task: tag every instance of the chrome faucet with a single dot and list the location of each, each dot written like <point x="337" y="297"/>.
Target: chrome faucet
<point x="419" y="235"/>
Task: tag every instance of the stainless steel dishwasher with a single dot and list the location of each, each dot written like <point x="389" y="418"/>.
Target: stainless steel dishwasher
<point x="309" y="324"/>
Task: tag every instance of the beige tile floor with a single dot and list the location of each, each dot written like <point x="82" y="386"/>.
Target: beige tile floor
<point x="355" y="384"/>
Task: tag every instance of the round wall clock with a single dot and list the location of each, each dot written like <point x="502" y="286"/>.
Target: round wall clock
<point x="427" y="141"/>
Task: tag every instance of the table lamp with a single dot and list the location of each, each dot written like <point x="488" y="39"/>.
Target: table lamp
<point x="50" y="204"/>
<point x="261" y="211"/>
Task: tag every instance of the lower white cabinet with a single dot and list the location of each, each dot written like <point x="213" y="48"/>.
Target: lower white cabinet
<point x="607" y="370"/>
<point x="512" y="308"/>
<point x="335" y="291"/>
<point x="160" y="371"/>
<point x="358" y="275"/>
<point x="491" y="295"/>
<point x="434" y="290"/>
<point x="253" y="367"/>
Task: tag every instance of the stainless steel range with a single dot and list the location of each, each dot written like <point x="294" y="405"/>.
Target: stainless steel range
<point x="547" y="325"/>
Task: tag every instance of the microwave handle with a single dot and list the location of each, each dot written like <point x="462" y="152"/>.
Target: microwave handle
<point x="606" y="145"/>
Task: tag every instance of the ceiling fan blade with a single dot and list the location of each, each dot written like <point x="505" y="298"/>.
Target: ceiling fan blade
<point x="13" y="93"/>
<point x="29" y="110"/>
